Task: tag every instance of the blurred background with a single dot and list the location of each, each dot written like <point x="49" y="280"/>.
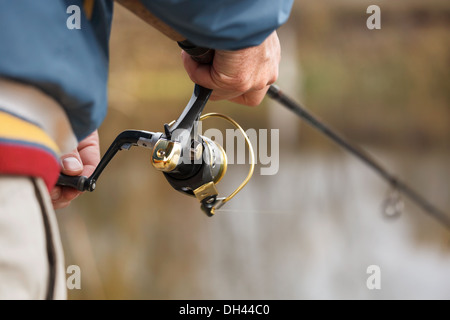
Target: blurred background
<point x="311" y="230"/>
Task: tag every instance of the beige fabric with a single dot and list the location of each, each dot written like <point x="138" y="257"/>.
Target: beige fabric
<point x="34" y="105"/>
<point x="24" y="265"/>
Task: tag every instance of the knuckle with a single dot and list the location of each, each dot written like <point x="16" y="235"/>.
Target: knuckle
<point x="244" y="86"/>
<point x="239" y="82"/>
<point x="273" y="78"/>
<point x="261" y="85"/>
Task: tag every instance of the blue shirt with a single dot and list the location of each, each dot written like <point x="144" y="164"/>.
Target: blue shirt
<point x="37" y="48"/>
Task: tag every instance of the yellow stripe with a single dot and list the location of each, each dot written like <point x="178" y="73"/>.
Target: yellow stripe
<point x="88" y="7"/>
<point x="18" y="129"/>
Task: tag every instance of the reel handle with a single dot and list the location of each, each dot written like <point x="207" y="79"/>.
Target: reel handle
<point x="124" y="141"/>
<point x="81" y="183"/>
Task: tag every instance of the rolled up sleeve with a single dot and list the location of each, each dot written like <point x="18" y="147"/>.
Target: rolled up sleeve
<point x="222" y="24"/>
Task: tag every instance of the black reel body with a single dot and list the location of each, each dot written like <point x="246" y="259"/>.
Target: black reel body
<point x="201" y="184"/>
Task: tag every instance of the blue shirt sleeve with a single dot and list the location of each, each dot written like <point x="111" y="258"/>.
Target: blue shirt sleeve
<point x="37" y="48"/>
<point x="222" y="24"/>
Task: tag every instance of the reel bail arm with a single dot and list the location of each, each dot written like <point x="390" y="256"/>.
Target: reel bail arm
<point x="197" y="163"/>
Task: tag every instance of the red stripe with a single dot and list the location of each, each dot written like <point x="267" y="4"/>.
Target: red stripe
<point x="31" y="161"/>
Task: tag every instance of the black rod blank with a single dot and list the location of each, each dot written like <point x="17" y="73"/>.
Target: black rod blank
<point x="276" y="94"/>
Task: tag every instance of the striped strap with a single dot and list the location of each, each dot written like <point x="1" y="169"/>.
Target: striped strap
<point x="26" y="149"/>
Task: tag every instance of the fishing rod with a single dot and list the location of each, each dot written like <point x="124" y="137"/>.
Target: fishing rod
<point x="397" y="185"/>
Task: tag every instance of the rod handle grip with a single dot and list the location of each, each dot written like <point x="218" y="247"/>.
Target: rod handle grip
<point x="198" y="54"/>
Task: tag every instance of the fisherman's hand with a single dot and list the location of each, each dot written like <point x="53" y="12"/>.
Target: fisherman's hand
<point x="242" y="76"/>
<point x="81" y="161"/>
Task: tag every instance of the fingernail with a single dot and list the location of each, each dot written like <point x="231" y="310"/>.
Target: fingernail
<point x="71" y="164"/>
<point x="55" y="194"/>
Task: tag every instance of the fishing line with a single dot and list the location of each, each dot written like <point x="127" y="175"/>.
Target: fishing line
<point x="255" y="211"/>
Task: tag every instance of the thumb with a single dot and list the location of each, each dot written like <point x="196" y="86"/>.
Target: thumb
<point x="71" y="163"/>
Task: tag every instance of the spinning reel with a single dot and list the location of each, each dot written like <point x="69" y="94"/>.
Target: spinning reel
<point x="193" y="164"/>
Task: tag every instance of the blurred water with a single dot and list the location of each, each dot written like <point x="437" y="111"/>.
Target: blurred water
<point x="309" y="232"/>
